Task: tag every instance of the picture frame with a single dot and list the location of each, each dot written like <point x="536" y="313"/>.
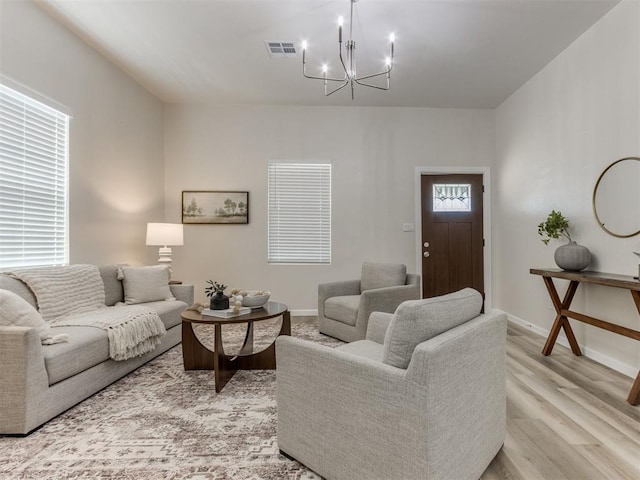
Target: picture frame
<point x="215" y="207"/>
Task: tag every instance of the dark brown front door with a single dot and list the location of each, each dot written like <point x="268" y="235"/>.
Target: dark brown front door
<point x="452" y="238"/>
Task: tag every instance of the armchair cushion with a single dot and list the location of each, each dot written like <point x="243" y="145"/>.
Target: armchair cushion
<point x="343" y="308"/>
<point x="380" y="275"/>
<point x="416" y="321"/>
<point x="364" y="348"/>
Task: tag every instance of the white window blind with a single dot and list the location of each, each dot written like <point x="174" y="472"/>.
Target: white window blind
<point x="299" y="213"/>
<point x="33" y="182"/>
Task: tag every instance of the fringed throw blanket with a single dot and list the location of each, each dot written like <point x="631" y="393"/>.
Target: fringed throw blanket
<point x="74" y="295"/>
<point x="133" y="329"/>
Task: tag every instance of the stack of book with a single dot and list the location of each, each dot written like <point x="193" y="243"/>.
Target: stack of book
<point x="226" y="313"/>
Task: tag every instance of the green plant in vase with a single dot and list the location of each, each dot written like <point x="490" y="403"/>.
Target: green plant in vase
<point x="215" y="291"/>
<point x="571" y="256"/>
<point x="555" y="226"/>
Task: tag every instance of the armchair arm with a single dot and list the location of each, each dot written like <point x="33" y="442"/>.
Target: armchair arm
<point x="183" y="293"/>
<point x="334" y="399"/>
<point x="335" y="289"/>
<point x="378" y="325"/>
<point x="386" y="299"/>
<point x="461" y="367"/>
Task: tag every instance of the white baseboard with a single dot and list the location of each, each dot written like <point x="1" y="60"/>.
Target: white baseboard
<point x="303" y="313"/>
<point x="594" y="355"/>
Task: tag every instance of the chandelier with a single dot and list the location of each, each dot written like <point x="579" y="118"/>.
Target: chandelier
<point x="348" y="63"/>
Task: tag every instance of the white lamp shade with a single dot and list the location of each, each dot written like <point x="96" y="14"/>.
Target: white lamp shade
<point x="163" y="234"/>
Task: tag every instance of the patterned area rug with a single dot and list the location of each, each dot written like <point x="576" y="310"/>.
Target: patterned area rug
<point x="161" y="422"/>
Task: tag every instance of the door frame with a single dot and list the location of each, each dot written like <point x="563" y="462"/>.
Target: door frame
<point x="486" y="220"/>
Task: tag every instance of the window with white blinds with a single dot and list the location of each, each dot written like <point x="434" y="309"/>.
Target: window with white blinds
<point x="33" y="182"/>
<point x="299" y="213"/>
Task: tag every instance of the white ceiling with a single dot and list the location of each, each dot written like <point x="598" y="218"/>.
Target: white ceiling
<point x="451" y="53"/>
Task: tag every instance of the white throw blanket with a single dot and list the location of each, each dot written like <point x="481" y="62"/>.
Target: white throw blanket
<point x="74" y="295"/>
<point x="133" y="329"/>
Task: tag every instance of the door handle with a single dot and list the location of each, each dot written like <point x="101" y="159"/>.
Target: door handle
<point x="426" y="254"/>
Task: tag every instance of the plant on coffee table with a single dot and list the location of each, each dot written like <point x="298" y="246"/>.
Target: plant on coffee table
<point x="215" y="290"/>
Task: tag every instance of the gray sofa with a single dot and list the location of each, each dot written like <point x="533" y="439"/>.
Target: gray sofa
<point x="349" y="413"/>
<point x="38" y="382"/>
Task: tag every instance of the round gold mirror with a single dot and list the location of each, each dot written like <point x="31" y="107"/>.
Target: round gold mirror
<point x="616" y="198"/>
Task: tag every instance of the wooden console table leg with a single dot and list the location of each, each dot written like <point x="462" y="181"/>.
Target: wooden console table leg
<point x="634" y="394"/>
<point x="561" y="321"/>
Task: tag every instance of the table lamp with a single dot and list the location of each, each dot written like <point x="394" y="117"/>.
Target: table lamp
<point x="164" y="235"/>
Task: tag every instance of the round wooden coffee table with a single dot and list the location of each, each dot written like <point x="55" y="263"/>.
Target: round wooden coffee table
<point x="196" y="356"/>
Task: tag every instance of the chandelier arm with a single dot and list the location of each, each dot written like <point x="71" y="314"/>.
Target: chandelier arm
<point x="327" y="79"/>
<point x="364" y="84"/>
<point x="386" y="72"/>
<point x="304" y="74"/>
<point x="335" y="90"/>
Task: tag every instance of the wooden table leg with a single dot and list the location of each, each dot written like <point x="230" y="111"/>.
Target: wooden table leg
<point x="223" y="366"/>
<point x="247" y="345"/>
<point x="195" y="356"/>
<point x="561" y="321"/>
<point x="634" y="394"/>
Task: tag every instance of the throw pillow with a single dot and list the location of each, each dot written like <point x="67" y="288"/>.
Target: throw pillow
<point x="381" y="275"/>
<point x="16" y="311"/>
<point x="112" y="285"/>
<point x="416" y="321"/>
<point x="146" y="284"/>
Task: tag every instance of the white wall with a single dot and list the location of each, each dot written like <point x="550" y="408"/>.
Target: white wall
<point x="555" y="135"/>
<point x="374" y="152"/>
<point x="116" y="134"/>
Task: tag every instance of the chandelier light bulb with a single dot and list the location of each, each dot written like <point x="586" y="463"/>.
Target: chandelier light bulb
<point x="340" y="21"/>
<point x="324" y="68"/>
<point x="304" y="45"/>
<point x="392" y="37"/>
<point x="387" y="61"/>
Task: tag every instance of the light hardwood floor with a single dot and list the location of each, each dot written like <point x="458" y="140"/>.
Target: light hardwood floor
<point x="567" y="417"/>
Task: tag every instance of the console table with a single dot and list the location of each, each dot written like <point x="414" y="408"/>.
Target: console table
<point x="563" y="312"/>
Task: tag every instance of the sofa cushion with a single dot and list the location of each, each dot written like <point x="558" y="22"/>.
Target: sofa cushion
<point x="381" y="275"/>
<point x="87" y="347"/>
<point x="146" y="284"/>
<point x="113" y="291"/>
<point x="364" y="348"/>
<point x="169" y="311"/>
<point x="16" y="311"/>
<point x="416" y="321"/>
<point x="343" y="308"/>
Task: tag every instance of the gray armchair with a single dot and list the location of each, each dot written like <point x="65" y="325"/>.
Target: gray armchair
<point x="344" y="307"/>
<point x="423" y="397"/>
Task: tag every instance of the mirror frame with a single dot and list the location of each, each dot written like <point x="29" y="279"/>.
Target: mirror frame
<point x="595" y="192"/>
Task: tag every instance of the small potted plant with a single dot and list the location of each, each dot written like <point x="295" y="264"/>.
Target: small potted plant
<point x="571" y="256"/>
<point x="215" y="290"/>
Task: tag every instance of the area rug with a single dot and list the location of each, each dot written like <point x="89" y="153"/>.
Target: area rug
<point x="161" y="422"/>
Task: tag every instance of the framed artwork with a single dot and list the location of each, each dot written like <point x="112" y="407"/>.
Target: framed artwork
<point x="215" y="207"/>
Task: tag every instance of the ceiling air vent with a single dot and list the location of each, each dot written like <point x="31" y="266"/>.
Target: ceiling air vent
<point x="281" y="49"/>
